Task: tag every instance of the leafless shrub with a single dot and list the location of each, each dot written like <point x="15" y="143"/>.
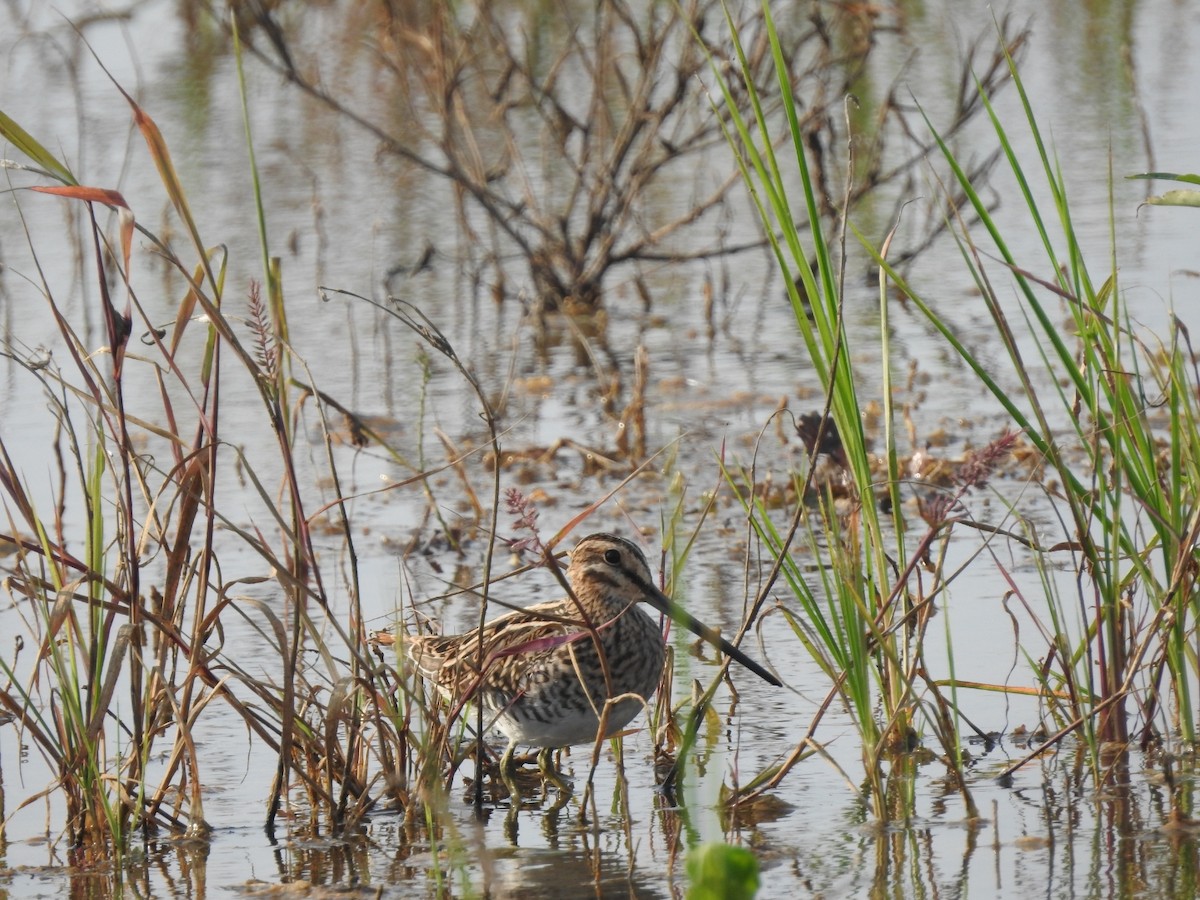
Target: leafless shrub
<point x="585" y="142"/>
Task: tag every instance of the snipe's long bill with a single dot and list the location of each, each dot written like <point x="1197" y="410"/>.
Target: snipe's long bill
<point x="538" y="672"/>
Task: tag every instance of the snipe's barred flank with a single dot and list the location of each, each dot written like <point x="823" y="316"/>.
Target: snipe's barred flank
<point x="538" y="672"/>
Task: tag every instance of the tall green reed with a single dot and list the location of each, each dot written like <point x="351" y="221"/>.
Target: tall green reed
<point x="857" y="562"/>
<point x="1128" y="481"/>
<point x="1089" y="403"/>
<point x="861" y="615"/>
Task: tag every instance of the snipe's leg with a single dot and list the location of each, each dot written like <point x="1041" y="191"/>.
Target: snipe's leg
<point x="508" y="771"/>
<point x="550" y="773"/>
<point x="506" y="759"/>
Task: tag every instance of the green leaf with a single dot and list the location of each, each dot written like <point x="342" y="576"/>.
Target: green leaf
<point x="27" y="144"/>
<point x="1168" y="176"/>
<point x="722" y="872"/>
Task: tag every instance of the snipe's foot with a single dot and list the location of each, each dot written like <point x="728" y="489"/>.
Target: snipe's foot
<point x="521" y="782"/>
<point x="551" y="773"/>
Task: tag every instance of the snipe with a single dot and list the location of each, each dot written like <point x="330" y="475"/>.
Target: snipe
<point x="538" y="673"/>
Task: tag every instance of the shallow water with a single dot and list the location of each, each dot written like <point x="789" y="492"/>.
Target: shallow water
<point x="345" y="216"/>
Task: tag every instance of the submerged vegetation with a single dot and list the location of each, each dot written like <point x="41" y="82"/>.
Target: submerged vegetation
<point x="170" y="572"/>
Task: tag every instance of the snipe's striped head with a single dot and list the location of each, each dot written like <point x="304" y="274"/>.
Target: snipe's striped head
<point x="606" y="561"/>
<point x="612" y="569"/>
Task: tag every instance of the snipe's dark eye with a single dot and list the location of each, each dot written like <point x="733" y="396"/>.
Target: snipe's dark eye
<point x="612" y="557"/>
